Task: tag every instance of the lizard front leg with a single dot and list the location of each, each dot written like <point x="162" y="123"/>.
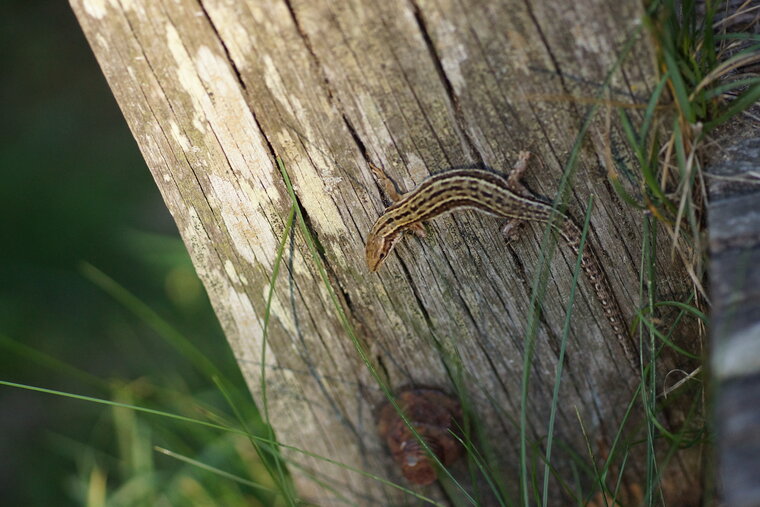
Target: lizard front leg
<point x="393" y="194"/>
<point x="513" y="227"/>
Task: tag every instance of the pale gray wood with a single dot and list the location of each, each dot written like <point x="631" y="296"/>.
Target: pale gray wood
<point x="213" y="91"/>
<point x="734" y="232"/>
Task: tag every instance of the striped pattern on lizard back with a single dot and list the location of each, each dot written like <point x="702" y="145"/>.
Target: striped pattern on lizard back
<point x="493" y="194"/>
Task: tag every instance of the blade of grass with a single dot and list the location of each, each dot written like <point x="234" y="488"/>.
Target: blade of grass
<point x="654" y="99"/>
<point x="284" y="486"/>
<point x="653" y="329"/>
<point x="727" y="87"/>
<point x="685" y="307"/>
<point x="562" y="349"/>
<point x="597" y="475"/>
<point x="678" y="85"/>
<point x="281" y="480"/>
<point x="743" y="58"/>
<point x="737" y="36"/>
<point x="148" y="316"/>
<point x="213" y="470"/>
<point x="740" y="104"/>
<point x="52" y="363"/>
<point x="648" y="393"/>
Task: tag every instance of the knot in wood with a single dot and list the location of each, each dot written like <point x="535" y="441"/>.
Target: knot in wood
<point x="434" y="416"/>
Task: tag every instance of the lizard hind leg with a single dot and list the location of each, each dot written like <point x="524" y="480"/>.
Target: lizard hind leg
<point x="418" y="229"/>
<point x="514" y="182"/>
<point x="512" y="229"/>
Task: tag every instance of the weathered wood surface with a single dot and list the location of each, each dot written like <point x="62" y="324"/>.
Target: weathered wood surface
<point x="213" y="91"/>
<point x="734" y="231"/>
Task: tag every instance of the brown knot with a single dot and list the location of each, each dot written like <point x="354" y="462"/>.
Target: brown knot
<point x="434" y="415"/>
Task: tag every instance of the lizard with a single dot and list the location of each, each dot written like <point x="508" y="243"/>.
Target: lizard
<point x="493" y="194"/>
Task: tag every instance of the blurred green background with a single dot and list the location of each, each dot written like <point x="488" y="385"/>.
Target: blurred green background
<point x="75" y="190"/>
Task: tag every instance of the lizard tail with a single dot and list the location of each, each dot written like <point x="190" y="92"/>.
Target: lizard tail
<point x="600" y="283"/>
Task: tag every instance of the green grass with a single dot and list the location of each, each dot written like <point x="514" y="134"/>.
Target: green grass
<point x="216" y="433"/>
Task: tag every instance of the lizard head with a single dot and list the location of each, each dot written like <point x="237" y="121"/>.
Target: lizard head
<point x="377" y="249"/>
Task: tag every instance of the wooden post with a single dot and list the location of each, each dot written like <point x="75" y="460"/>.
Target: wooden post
<point x="214" y="91"/>
<point x="734" y="220"/>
